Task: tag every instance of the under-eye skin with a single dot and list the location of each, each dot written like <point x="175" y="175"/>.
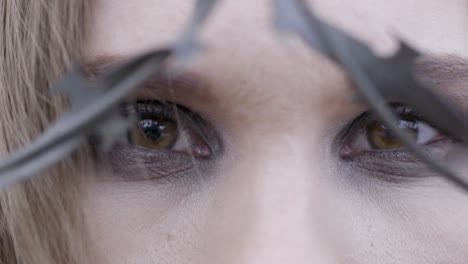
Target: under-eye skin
<point x="165" y="142"/>
<point x="368" y="145"/>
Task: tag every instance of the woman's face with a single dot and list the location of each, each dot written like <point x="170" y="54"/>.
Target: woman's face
<point x="271" y="160"/>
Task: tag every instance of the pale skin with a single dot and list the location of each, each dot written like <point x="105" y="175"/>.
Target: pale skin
<point x="278" y="191"/>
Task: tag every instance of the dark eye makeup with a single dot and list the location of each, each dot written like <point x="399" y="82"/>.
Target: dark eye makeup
<point x="370" y="148"/>
<point x="165" y="141"/>
<point x="368" y="133"/>
<point x="168" y="141"/>
<point x="167" y="126"/>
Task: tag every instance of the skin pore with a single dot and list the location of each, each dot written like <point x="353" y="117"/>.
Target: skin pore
<point x="274" y="189"/>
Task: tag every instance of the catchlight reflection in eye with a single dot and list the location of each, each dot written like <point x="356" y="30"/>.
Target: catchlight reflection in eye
<point x="380" y="137"/>
<point x="369" y="134"/>
<point x="166" y="127"/>
<point x="154" y="134"/>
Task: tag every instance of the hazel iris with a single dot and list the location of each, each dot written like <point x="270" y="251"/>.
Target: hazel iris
<point x="154" y="133"/>
<point x="381" y="138"/>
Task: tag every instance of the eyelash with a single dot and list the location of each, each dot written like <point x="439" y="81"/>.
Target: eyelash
<point x="134" y="163"/>
<point x="393" y="165"/>
<point x="365" y="118"/>
<point x="151" y="108"/>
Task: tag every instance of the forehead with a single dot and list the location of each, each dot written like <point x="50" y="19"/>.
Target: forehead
<point x="247" y="64"/>
<point x="131" y="26"/>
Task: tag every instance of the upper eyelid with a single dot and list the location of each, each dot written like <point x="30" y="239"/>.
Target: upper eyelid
<point x="182" y="115"/>
<point x="150" y="107"/>
<point x="397" y="108"/>
<point x="358" y="125"/>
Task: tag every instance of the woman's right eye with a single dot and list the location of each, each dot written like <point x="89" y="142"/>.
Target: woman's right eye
<point x="166" y="127"/>
<point x="165" y="141"/>
<point x="154" y="133"/>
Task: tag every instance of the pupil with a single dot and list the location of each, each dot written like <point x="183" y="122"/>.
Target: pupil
<point x="380" y="137"/>
<point x="151" y="129"/>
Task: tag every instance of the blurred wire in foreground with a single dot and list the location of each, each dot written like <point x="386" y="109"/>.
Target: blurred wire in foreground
<point x="94" y="104"/>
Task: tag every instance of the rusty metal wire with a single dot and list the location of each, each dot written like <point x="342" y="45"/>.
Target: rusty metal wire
<point x="94" y="104"/>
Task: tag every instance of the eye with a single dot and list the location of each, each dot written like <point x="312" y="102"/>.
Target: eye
<point x="166" y="142"/>
<point x="154" y="133"/>
<point x="167" y="127"/>
<point x="380" y="137"/>
<point x="367" y="133"/>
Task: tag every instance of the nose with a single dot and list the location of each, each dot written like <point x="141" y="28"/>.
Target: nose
<point x="271" y="208"/>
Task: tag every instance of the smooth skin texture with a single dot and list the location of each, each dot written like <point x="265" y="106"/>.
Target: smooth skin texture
<point x="277" y="191"/>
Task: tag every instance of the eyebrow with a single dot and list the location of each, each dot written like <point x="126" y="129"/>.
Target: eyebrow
<point x="96" y="69"/>
<point x="441" y="71"/>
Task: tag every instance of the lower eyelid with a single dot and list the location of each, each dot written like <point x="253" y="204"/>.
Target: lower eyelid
<point x="391" y="171"/>
<point x="438" y="147"/>
<point x="130" y="163"/>
<point x="398" y="165"/>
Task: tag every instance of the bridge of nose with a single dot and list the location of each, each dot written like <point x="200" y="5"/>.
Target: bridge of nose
<point x="270" y="207"/>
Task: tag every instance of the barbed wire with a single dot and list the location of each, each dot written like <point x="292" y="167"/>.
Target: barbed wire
<point x="94" y="103"/>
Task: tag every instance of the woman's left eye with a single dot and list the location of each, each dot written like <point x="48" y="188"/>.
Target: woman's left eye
<point x="380" y="137"/>
<point x="369" y="134"/>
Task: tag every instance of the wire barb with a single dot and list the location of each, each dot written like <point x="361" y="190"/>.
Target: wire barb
<point x="381" y="80"/>
<point x="94" y="104"/>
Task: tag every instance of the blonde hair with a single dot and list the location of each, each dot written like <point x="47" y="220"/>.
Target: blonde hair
<point x="40" y="220"/>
